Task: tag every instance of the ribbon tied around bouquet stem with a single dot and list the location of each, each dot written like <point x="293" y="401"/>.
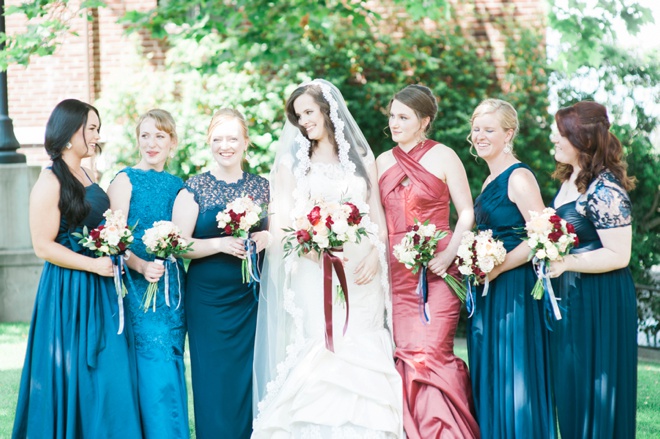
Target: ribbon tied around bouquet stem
<point x="117" y="270"/>
<point x="550" y="300"/>
<point x="250" y="267"/>
<point x="423" y="295"/>
<point x="330" y="261"/>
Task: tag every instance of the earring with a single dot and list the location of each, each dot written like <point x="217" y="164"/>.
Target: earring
<point x="68" y="145"/>
<point x="507" y="148"/>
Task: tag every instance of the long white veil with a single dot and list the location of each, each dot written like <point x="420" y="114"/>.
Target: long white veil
<point x="279" y="335"/>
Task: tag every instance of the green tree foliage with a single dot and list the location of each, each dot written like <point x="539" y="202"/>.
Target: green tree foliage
<point x="251" y="53"/>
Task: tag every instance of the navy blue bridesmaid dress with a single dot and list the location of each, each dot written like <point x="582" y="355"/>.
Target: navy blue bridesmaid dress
<point x="507" y="339"/>
<point x="79" y="377"/>
<point x="160" y="334"/>
<point x="594" y="345"/>
<point x="221" y="312"/>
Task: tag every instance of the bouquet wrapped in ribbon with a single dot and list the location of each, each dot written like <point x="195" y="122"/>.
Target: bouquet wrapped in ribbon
<point x="111" y="239"/>
<point x="477" y="255"/>
<point x="238" y="219"/>
<point x="164" y="241"/>
<point x="550" y="238"/>
<point x="416" y="249"/>
<point x="324" y="230"/>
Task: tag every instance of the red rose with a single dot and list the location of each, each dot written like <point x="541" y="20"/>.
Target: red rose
<point x="329" y="222"/>
<point x="555" y="219"/>
<point x="354" y="218"/>
<point x="576" y="241"/>
<point x="228" y="229"/>
<point x="554" y="236"/>
<point x="303" y="236"/>
<point x="314" y="216"/>
<point x="121" y="246"/>
<point x="570" y="228"/>
<point x="416" y="239"/>
<point x="175" y="243"/>
<point x="95" y="234"/>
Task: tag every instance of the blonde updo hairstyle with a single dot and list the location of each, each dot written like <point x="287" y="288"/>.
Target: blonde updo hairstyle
<point x="223" y="115"/>
<point x="164" y="122"/>
<point x="506" y="114"/>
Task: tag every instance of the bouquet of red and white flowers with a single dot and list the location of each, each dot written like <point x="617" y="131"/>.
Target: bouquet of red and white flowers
<point x="165" y="242"/>
<point x="477" y="255"/>
<point x="550" y="238"/>
<point x="238" y="219"/>
<point x="325" y="229"/>
<point x="111" y="239"/>
<point x="415" y="251"/>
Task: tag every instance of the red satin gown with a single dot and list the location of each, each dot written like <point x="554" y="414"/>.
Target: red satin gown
<point x="437" y="394"/>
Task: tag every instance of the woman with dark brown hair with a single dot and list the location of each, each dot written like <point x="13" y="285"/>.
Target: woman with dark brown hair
<point x="418" y="178"/>
<point x="593" y="348"/>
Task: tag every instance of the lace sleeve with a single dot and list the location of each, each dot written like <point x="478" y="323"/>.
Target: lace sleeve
<point x="606" y="203"/>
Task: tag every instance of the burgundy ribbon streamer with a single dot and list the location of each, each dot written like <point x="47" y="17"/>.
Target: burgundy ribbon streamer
<point x="329" y="261"/>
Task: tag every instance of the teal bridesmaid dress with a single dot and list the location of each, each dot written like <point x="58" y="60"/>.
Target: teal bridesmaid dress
<point x="79" y="377"/>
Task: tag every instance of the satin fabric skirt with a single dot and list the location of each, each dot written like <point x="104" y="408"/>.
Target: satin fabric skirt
<point x="79" y="377"/>
<point x="437" y="391"/>
<point x="509" y="360"/>
<point x="594" y="355"/>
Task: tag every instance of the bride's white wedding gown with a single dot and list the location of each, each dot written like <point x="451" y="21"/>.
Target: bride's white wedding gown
<point x="355" y="391"/>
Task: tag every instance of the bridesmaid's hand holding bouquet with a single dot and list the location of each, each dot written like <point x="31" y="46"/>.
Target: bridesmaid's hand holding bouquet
<point x="550" y="238"/>
<point x="111" y="239"/>
<point x="238" y="219"/>
<point x="477" y="255"/>
<point x="163" y="240"/>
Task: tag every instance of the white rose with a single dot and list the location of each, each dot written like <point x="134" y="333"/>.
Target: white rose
<point x="251" y="218"/>
<point x="552" y="252"/>
<point x="351" y="233"/>
<point x="486" y="265"/>
<point x="321" y="240"/>
<point x="104" y="249"/>
<point x="340" y="226"/>
<point x="465" y="271"/>
<point x="540" y="254"/>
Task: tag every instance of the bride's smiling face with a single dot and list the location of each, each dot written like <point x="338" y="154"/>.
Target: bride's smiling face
<point x="310" y="117"/>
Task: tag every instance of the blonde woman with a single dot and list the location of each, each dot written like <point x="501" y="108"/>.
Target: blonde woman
<point x="507" y="339"/>
<point x="146" y="193"/>
<point x="221" y="310"/>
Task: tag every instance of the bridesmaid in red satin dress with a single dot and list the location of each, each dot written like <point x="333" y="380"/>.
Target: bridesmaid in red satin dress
<point x="417" y="179"/>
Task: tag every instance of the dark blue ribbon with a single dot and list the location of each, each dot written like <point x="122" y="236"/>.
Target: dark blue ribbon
<point x="469" y="297"/>
<point x="423" y="295"/>
<point x="253" y="266"/>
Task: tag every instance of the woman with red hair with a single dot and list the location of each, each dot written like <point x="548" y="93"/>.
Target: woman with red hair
<point x="594" y="346"/>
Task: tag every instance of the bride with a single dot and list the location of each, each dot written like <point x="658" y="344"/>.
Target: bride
<point x="307" y="387"/>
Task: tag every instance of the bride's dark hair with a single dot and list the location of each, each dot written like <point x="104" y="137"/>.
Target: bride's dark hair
<point x="355" y="153"/>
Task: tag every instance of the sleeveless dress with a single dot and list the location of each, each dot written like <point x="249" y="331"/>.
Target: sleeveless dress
<point x="437" y="393"/>
<point x="79" y="378"/>
<point x="594" y="345"/>
<point x="507" y="339"/>
<point x="221" y="313"/>
<point x="160" y="335"/>
<point x="353" y="392"/>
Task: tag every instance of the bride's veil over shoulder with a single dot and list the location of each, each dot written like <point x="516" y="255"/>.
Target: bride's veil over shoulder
<point x="279" y="335"/>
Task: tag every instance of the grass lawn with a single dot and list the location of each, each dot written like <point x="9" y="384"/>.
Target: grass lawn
<point x="14" y="335"/>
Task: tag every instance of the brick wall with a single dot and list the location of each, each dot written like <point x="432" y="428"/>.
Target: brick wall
<point x="81" y="68"/>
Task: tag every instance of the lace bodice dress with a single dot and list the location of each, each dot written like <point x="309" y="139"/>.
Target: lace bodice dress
<point x="160" y="334"/>
<point x="221" y="314"/>
<point x="597" y="335"/>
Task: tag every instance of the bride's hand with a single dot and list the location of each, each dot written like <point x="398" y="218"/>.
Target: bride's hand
<point x="368" y="268"/>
